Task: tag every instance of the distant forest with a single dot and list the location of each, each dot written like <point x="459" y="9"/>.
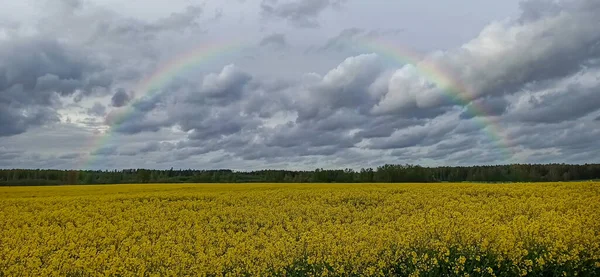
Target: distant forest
<point x="384" y="174"/>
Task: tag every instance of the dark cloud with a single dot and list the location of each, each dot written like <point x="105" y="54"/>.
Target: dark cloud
<point x="16" y="120"/>
<point x="133" y="122"/>
<point x="197" y="106"/>
<point x="230" y="105"/>
<point x="149" y="102"/>
<point x="478" y="157"/>
<point x="97" y="110"/>
<point x="129" y="46"/>
<point x="421" y="135"/>
<point x="104" y="151"/>
<point x="294" y="135"/>
<point x="148" y="147"/>
<point x="9" y="26"/>
<point x="44" y="66"/>
<point x="70" y="156"/>
<point x="339" y="120"/>
<point x="384" y="126"/>
<point x="566" y="137"/>
<point x="462" y="143"/>
<point x="266" y="99"/>
<point x="327" y="114"/>
<point x="34" y="74"/>
<point x="341" y="41"/>
<point x="7" y="154"/>
<point x="534" y="77"/>
<point x="68" y="4"/>
<point x="572" y="102"/>
<point x="489" y="106"/>
<point x="277" y="41"/>
<point x="469" y="126"/>
<point x="300" y="13"/>
<point x="178" y="20"/>
<point x="398" y="142"/>
<point x="351" y="39"/>
<point x="107" y="27"/>
<point x="221" y="123"/>
<point x="446" y="148"/>
<point x="532" y="10"/>
<point x="218" y="14"/>
<point x="120" y="98"/>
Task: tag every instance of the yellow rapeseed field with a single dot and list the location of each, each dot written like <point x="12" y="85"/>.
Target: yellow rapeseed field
<point x="550" y="229"/>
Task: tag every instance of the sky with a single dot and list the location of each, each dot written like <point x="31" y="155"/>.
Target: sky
<point x="290" y="84"/>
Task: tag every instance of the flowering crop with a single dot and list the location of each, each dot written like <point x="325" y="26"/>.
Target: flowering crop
<point x="550" y="229"/>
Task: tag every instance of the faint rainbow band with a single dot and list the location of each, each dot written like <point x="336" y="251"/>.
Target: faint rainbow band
<point x="452" y="87"/>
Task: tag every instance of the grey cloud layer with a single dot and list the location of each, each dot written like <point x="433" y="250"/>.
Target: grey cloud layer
<point x="34" y="73"/>
<point x="274" y="40"/>
<point x="340" y="110"/>
<point x="120" y="98"/>
<point x="97" y="48"/>
<point x="534" y="77"/>
<point x="300" y="13"/>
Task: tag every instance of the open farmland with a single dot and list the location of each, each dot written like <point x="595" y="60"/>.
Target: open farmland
<point x="546" y="229"/>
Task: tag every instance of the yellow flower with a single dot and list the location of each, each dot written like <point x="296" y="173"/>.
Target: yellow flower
<point x="314" y="229"/>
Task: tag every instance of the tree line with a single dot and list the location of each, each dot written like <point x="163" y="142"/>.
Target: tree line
<point x="385" y="174"/>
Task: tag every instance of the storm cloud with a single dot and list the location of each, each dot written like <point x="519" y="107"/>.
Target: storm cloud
<point x="35" y="73"/>
<point x="170" y="88"/>
<point x="120" y="98"/>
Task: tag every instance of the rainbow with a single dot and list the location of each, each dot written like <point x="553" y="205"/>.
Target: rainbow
<point x="152" y="84"/>
<point x="453" y="88"/>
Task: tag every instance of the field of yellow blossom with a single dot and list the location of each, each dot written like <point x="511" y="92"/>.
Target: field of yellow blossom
<point x="546" y="229"/>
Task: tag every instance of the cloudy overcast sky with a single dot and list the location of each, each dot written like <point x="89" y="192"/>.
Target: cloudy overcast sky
<point x="290" y="84"/>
